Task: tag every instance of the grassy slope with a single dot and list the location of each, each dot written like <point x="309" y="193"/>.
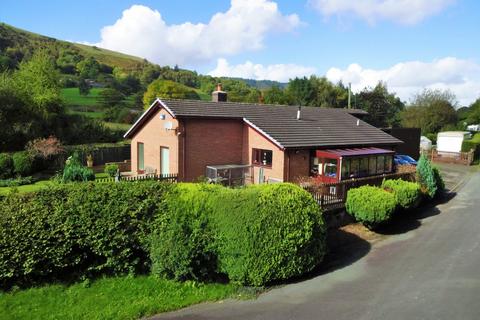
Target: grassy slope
<point x="73" y="98"/>
<point x="26" y="188"/>
<point x="109" y="298"/>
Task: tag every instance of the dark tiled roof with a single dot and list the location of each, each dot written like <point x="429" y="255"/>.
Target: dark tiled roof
<point x="318" y="127"/>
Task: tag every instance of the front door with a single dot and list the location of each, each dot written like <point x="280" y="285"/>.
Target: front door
<point x="164" y="160"/>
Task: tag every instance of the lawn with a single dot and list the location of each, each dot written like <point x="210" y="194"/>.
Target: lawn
<point x="110" y="298"/>
<point x="27" y="188"/>
<point x="73" y="98"/>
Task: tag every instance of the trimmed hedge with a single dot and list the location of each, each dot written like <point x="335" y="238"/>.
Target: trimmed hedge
<point x="371" y="206"/>
<point x="254" y="235"/>
<point x="71" y="231"/>
<point x="407" y="194"/>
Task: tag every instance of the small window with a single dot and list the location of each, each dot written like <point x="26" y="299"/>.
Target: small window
<point x="330" y="169"/>
<point x="140" y="156"/>
<point x="262" y="157"/>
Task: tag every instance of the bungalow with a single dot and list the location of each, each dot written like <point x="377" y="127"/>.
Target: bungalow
<point x="277" y="143"/>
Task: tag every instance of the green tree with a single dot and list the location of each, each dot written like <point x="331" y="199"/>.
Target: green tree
<point x="383" y="107"/>
<point x="274" y="95"/>
<point x="300" y="91"/>
<point x="88" y="68"/>
<point x="327" y="94"/>
<point x="169" y="90"/>
<point x="83" y="87"/>
<point x="431" y="110"/>
<point x="110" y="97"/>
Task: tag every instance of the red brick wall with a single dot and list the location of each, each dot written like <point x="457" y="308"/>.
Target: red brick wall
<point x="255" y="140"/>
<point x="154" y="135"/>
<point x="211" y="142"/>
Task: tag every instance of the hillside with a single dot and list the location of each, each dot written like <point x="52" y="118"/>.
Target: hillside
<point x="17" y="43"/>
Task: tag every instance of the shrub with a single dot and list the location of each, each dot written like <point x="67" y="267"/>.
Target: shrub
<point x="254" y="235"/>
<point x="74" y="171"/>
<point x="267" y="233"/>
<point x="111" y="169"/>
<point x="407" y="194"/>
<point x="425" y="176"/>
<point x="371" y="206"/>
<point x="438" y="179"/>
<point x="182" y="246"/>
<point x="66" y="232"/>
<point x="22" y="163"/>
<point x="6" y="166"/>
<point x="20" y="181"/>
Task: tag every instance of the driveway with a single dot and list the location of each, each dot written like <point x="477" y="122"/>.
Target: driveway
<point x="427" y="268"/>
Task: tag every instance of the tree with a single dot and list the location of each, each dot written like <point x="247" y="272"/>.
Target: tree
<point x="110" y="97"/>
<point x="327" y="94"/>
<point x="431" y="110"/>
<point x="88" y="68"/>
<point x="169" y="90"/>
<point x="83" y="87"/>
<point x="274" y="95"/>
<point x="383" y="107"/>
<point x="300" y="91"/>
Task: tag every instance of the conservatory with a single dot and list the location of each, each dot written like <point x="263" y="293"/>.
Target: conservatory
<point x="231" y="175"/>
<point x="334" y="165"/>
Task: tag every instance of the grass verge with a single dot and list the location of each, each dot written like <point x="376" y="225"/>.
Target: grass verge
<point x="110" y="298"/>
<point x="26" y="188"/>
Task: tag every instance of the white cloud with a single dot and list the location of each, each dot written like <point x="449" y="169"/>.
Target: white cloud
<point x="142" y="31"/>
<point x="460" y="76"/>
<point x="249" y="70"/>
<point x="401" y="11"/>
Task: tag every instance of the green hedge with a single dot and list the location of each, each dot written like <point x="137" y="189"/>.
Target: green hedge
<point x="371" y="206"/>
<point x="407" y="194"/>
<point x="76" y="230"/>
<point x="254" y="235"/>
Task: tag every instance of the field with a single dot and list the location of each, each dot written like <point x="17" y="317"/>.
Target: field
<point x="109" y="298"/>
<point x="73" y="98"/>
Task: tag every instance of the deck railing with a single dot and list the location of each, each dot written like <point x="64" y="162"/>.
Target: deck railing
<point x="172" y="177"/>
<point x="332" y="196"/>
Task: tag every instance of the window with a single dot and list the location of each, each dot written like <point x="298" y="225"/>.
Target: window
<point x="140" y="156"/>
<point x="363" y="167"/>
<point x="354" y="168"/>
<point x="388" y="164"/>
<point x="372" y="166"/>
<point x="380" y="164"/>
<point x="262" y="157"/>
<point x="330" y="169"/>
<point x="345" y="168"/>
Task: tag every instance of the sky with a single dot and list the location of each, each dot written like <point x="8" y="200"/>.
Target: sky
<point x="408" y="44"/>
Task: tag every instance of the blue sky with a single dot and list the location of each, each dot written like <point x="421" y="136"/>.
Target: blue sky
<point x="409" y="44"/>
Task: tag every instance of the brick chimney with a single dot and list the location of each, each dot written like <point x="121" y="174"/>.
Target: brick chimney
<point x="218" y="95"/>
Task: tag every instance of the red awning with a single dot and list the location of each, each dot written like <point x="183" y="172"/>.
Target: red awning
<point x="353" y="152"/>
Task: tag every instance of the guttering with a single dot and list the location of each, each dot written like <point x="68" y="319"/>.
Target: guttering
<point x="263" y="133"/>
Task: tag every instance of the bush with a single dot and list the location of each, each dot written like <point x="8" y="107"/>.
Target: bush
<point x="16" y="182"/>
<point x="268" y="233"/>
<point x="182" y="246"/>
<point x="6" y="166"/>
<point x="74" y="171"/>
<point x="22" y="163"/>
<point x="67" y="232"/>
<point x="254" y="235"/>
<point x="407" y="194"/>
<point x="111" y="169"/>
<point x="426" y="177"/>
<point x="371" y="206"/>
<point x="438" y="179"/>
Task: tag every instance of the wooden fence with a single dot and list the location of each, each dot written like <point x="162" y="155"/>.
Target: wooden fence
<point x="172" y="177"/>
<point x="465" y="158"/>
<point x="332" y="196"/>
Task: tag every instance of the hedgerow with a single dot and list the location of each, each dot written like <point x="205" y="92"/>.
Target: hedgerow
<point x="371" y="206"/>
<point x="407" y="194"/>
<point x="71" y="231"/>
